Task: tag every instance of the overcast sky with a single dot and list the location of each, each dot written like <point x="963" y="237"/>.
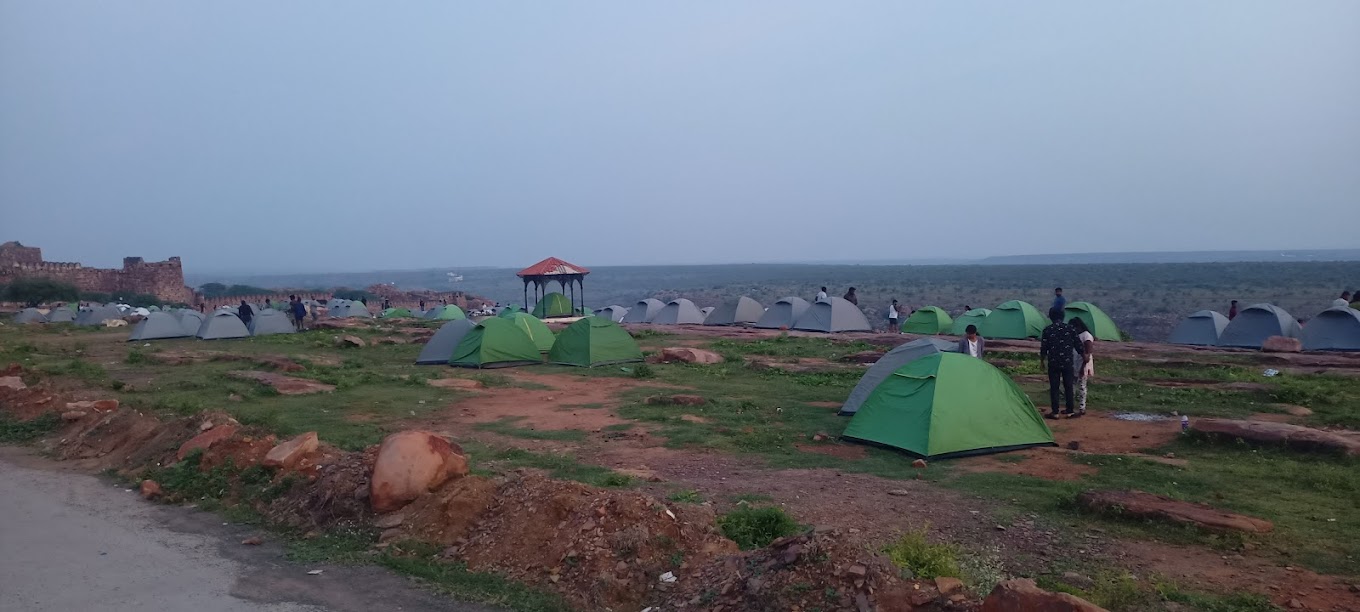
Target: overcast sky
<point x="334" y="136"/>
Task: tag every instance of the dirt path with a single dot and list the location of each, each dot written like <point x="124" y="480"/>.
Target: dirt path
<point x="73" y="542"/>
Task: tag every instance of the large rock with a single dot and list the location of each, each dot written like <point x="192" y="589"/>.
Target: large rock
<point x="690" y="355"/>
<point x="288" y="454"/>
<point x="411" y="463"/>
<point x="1143" y="505"/>
<point x="1296" y="437"/>
<point x="1281" y="344"/>
<point x="351" y="341"/>
<point x="1022" y="595"/>
<point x="206" y="440"/>
<point x="285" y="385"/>
<point x="13" y="383"/>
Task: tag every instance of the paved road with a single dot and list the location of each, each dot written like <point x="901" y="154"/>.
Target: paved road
<point x="70" y="541"/>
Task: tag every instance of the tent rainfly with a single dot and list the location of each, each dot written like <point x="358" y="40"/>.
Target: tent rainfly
<point x="29" y="316"/>
<point x="495" y="343"/>
<point x="394" y="313"/>
<point x="679" y="312"/>
<point x="1257" y="322"/>
<point x="567" y="276"/>
<point x="644" y="311"/>
<point x="553" y="305"/>
<point x="439" y="348"/>
<point x="1200" y="329"/>
<point x="741" y="311"/>
<point x="888" y="363"/>
<point x="156" y="326"/>
<point x="268" y="322"/>
<point x="948" y="405"/>
<point x="450" y="312"/>
<point x="222" y="325"/>
<point x="614" y="313"/>
<point x="832" y="315"/>
<point x="1334" y="329"/>
<point x="594" y="341"/>
<point x="928" y="320"/>
<point x="972" y="317"/>
<point x="1097" y="322"/>
<point x="98" y="315"/>
<point x="1014" y="320"/>
<point x="783" y="314"/>
<point x="190" y="321"/>
<point x="535" y="329"/>
<point x="61" y="314"/>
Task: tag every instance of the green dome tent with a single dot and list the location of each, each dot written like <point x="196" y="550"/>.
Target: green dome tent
<point x="392" y="313"/>
<point x="949" y="405"/>
<point x="928" y="320"/>
<point x="440" y="347"/>
<point x="973" y="317"/>
<point x="889" y="363"/>
<point x="1014" y="320"/>
<point x="507" y="311"/>
<point x="553" y="305"/>
<point x="446" y="313"/>
<point x="1097" y="322"/>
<point x="594" y="341"/>
<point x="495" y="343"/>
<point x="534" y="329"/>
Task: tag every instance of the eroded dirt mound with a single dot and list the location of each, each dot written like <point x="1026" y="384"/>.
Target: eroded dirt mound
<point x="600" y="548"/>
<point x="336" y="494"/>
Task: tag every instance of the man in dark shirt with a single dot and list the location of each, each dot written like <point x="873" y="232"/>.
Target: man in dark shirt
<point x="1232" y="310"/>
<point x="1057" y="347"/>
<point x="245" y="312"/>
<point x="1059" y="302"/>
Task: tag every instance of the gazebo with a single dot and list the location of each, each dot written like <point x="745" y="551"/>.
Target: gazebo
<point x="567" y="276"/>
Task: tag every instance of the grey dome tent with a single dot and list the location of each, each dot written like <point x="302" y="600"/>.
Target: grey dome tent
<point x="784" y="313"/>
<point x="30" y="315"/>
<point x="439" y="348"/>
<point x="1200" y="329"/>
<point x="706" y="310"/>
<point x="61" y="315"/>
<point x="679" y="312"/>
<point x="222" y="325"/>
<point x="350" y="309"/>
<point x="614" y="313"/>
<point x="269" y="321"/>
<point x="644" y="311"/>
<point x="158" y="325"/>
<point x="888" y="363"/>
<point x="190" y="321"/>
<point x="741" y="311"/>
<point x="832" y="315"/>
<point x="97" y="315"/>
<point x="1257" y="322"/>
<point x="1334" y="329"/>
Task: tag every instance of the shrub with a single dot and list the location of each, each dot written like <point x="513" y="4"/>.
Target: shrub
<point x="756" y="527"/>
<point x="35" y="291"/>
<point x="15" y="431"/>
<point x="913" y="553"/>
<point x="643" y="371"/>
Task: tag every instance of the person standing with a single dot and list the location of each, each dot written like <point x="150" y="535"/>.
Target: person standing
<point x="245" y="312"/>
<point x="972" y="344"/>
<point x="1059" y="301"/>
<point x="1232" y="310"/>
<point x="892" y="318"/>
<point x="422" y="305"/>
<point x="821" y="295"/>
<point x="850" y="297"/>
<point x="299" y="314"/>
<point x="1088" y="344"/>
<point x="1057" y="345"/>
<point x="268" y="305"/>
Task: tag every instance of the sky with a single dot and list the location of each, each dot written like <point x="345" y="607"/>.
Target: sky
<point x="305" y="136"/>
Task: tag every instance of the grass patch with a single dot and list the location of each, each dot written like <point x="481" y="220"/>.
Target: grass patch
<point x="14" y="431"/>
<point x="686" y="497"/>
<point x="563" y="467"/>
<point x="341" y="546"/>
<point x="756" y="527"/>
<point x="785" y="345"/>
<point x="507" y="427"/>
<point x="923" y="559"/>
<point x="1235" y="602"/>
<point x="136" y="357"/>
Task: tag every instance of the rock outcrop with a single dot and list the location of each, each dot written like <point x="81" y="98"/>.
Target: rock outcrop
<point x="1143" y="505"/>
<point x="1022" y="595"/>
<point x="1296" y="437"/>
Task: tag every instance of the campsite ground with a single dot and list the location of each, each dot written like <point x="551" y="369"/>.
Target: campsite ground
<point x="766" y="435"/>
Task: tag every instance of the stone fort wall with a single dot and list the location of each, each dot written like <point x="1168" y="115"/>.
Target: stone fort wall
<point x="163" y="279"/>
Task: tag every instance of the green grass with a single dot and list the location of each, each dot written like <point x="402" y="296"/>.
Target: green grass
<point x="560" y="466"/>
<point x="924" y="559"/>
<point x="690" y="496"/>
<point x="756" y="527"/>
<point x="14" y="431"/>
<point x="1234" y="602"/>
<point x="507" y="427"/>
<point x="790" y="346"/>
<point x="456" y="579"/>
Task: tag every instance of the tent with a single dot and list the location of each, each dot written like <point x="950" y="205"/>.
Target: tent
<point x="644" y="311"/>
<point x="1200" y="329"/>
<point x="948" y="405"/>
<point x="783" y="314"/>
<point x="888" y="363"/>
<point x="928" y="320"/>
<point x="61" y="314"/>
<point x="393" y="313"/>
<point x="1334" y="329"/>
<point x="158" y="325"/>
<point x="30" y="315"/>
<point x="506" y="311"/>
<point x="1257" y="322"/>
<point x="553" y="305"/>
<point x="440" y="347"/>
<point x="535" y="329"/>
<point x="495" y="343"/>
<point x="347" y="310"/>
<point x="594" y="341"/>
<point x="1014" y="320"/>
<point x="832" y="315"/>
<point x="269" y="321"/>
<point x="679" y="312"/>
<point x="450" y="312"/>
<point x="97" y="315"/>
<point x="190" y="321"/>
<point x="1097" y="322"/>
<point x="222" y="325"/>
<point x="614" y="313"/>
<point x="972" y="317"/>
<point x="741" y="311"/>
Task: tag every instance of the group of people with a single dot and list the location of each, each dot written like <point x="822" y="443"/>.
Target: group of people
<point x="297" y="312"/>
<point x="849" y="296"/>
<point x="1348" y="299"/>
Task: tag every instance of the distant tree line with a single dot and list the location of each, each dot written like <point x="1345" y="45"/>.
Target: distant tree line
<point x="34" y="292"/>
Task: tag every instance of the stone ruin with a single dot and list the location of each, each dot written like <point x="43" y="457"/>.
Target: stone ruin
<point x="163" y="279"/>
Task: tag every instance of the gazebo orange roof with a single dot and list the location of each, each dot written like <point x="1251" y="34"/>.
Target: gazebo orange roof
<point x="552" y="266"/>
